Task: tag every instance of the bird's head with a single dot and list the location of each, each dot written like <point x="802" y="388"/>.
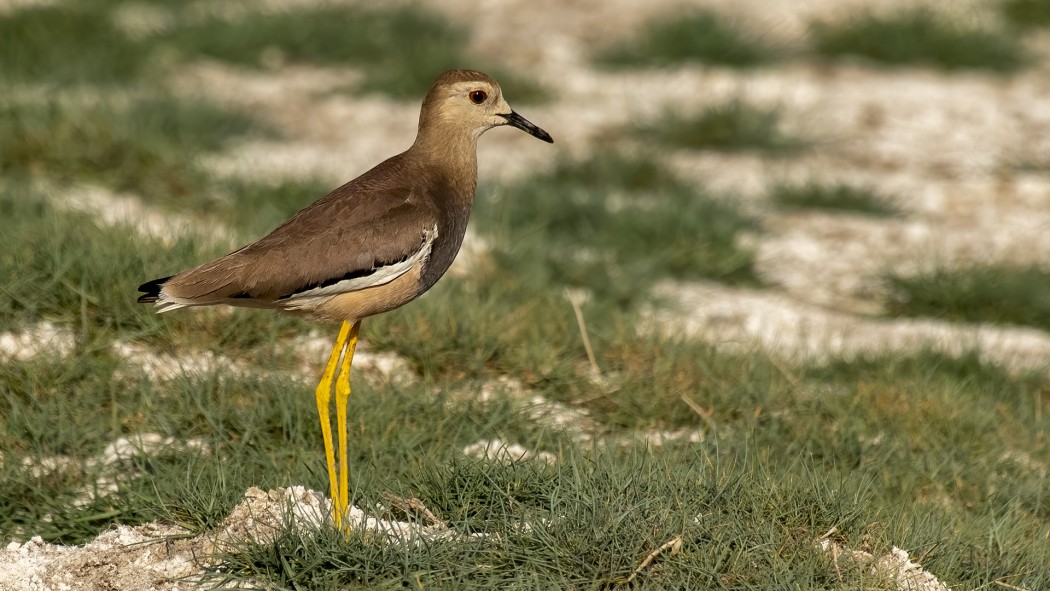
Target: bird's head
<point x="467" y="101"/>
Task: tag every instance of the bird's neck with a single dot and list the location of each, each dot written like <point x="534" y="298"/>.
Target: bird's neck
<point x="451" y="156"/>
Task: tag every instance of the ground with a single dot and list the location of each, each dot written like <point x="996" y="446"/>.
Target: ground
<point x="645" y="368"/>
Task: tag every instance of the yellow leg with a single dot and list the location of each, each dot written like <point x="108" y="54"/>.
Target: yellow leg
<point x="324" y="397"/>
<point x="342" y="394"/>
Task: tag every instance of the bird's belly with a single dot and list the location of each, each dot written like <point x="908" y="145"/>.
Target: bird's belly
<point x="355" y="305"/>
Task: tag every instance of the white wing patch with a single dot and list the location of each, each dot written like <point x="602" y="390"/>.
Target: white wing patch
<point x="167" y="304"/>
<point x="378" y="276"/>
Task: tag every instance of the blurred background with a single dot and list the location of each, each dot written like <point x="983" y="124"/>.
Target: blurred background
<point x="772" y="238"/>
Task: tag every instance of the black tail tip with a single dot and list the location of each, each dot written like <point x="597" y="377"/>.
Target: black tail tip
<point x="151" y="290"/>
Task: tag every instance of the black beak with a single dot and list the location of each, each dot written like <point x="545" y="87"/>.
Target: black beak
<point x="527" y="126"/>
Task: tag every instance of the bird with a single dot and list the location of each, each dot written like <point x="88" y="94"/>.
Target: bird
<point x="369" y="246"/>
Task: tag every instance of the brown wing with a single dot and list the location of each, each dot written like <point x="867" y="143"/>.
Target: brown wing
<point x="354" y="231"/>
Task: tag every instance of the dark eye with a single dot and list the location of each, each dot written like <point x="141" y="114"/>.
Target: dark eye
<point x="478" y="96"/>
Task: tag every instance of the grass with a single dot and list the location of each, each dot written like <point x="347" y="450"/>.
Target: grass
<point x="1026" y="13"/>
<point x="889" y="450"/>
<point x="732" y="127"/>
<point x="838" y="197"/>
<point x="894" y="450"/>
<point x="984" y="293"/>
<point x="65" y="266"/>
<point x="919" y="36"/>
<point x="334" y="35"/>
<point x="148" y="146"/>
<point x="69" y="269"/>
<point x="562" y="226"/>
<point x="593" y="517"/>
<point x="698" y="36"/>
<point x="938" y="455"/>
<point x="82" y="44"/>
<point x="68" y="44"/>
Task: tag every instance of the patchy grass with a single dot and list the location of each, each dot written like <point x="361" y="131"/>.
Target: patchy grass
<point x="68" y="43"/>
<point x="881" y="448"/>
<point x="259" y="429"/>
<point x="731" y="127"/>
<point x="346" y="35"/>
<point x="591" y="519"/>
<point x="919" y="36"/>
<point x="838" y="197"/>
<point x="655" y="227"/>
<point x="698" y="36"/>
<point x="67" y="268"/>
<point x="148" y="146"/>
<point x="894" y="450"/>
<point x="1026" y="13"/>
<point x="987" y="293"/>
<point x="945" y="457"/>
<point x="255" y="207"/>
<point x="81" y="43"/>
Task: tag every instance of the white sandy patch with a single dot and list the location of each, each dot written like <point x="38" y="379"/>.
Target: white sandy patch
<point x="568" y="419"/>
<point x="141" y="20"/>
<point x="1024" y="460"/>
<point x="550" y="36"/>
<point x="792" y="329"/>
<point x="301" y="100"/>
<point x="163" y="557"/>
<point x="558" y="416"/>
<point x="789" y="22"/>
<point x="329" y="133"/>
<point x="378" y="367"/>
<point x="110" y="463"/>
<point x="262" y="514"/>
<point x="502" y="387"/>
<point x="497" y="450"/>
<point x="143" y="558"/>
<point x="113" y="209"/>
<point x="9" y="6"/>
<point x="897" y="566"/>
<point x="886" y="120"/>
<point x="163" y="367"/>
<point x="660" y="438"/>
<point x="127" y="447"/>
<point x="839" y="260"/>
<point x="42" y="338"/>
<point x="547" y="36"/>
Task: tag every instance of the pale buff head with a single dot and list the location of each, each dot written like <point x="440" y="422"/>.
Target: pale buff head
<point x="469" y="102"/>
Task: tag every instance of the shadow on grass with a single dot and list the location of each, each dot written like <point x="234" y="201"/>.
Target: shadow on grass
<point x="1026" y="14"/>
<point x="400" y="49"/>
<point x="733" y="126"/>
<point x="838" y="197"/>
<point x="988" y="293"/>
<point x="919" y="36"/>
<point x="148" y="147"/>
<point x="696" y="36"/>
<point x="69" y="43"/>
